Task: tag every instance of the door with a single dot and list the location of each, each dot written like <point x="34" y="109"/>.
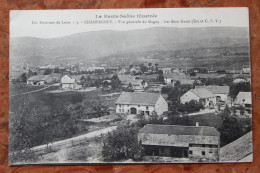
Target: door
<point x="133" y="110"/>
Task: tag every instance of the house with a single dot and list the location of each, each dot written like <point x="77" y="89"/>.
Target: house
<point x="202" y="95"/>
<point x="246" y="70"/>
<point x="244" y="99"/>
<point x="67" y="82"/>
<point x="141" y="103"/>
<point x="135" y="70"/>
<point x="135" y="84"/>
<point x="221" y="92"/>
<point x="39" y="80"/>
<point x="194" y="142"/>
<point x="113" y="69"/>
<point x="242" y="78"/>
<point x="172" y="78"/>
<point x="167" y="70"/>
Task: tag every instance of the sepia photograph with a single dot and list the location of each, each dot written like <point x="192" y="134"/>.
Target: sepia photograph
<point x="130" y="86"/>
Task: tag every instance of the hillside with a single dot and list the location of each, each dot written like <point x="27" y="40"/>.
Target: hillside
<point x="91" y="45"/>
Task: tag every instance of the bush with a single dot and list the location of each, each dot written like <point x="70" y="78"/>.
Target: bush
<point x="192" y="106"/>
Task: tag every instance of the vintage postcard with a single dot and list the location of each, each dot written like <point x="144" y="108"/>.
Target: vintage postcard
<point x="134" y="86"/>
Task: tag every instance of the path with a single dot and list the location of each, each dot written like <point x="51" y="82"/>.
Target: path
<point x="31" y="91"/>
<point x="73" y="141"/>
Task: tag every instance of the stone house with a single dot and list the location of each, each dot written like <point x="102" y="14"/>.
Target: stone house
<point x="202" y="95"/>
<point x="141" y="103"/>
<point x="194" y="142"/>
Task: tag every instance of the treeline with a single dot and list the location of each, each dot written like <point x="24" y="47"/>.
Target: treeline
<point x="41" y="118"/>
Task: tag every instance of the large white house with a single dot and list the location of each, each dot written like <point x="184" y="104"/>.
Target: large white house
<point x="202" y="95"/>
<point x="221" y="92"/>
<point x="67" y="82"/>
<point x="142" y="102"/>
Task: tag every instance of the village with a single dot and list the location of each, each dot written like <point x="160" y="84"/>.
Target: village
<point x="157" y="96"/>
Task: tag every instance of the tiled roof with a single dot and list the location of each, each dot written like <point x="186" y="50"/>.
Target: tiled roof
<point x="179" y="130"/>
<point x="141" y="98"/>
<point x="216" y="89"/>
<point x="237" y="149"/>
<point x="202" y="93"/>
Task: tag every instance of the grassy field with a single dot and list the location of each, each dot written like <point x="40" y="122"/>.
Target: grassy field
<point x="15" y="89"/>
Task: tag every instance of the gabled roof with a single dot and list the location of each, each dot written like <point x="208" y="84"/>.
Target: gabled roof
<point x="179" y="130"/>
<point x="216" y="89"/>
<point x="141" y="98"/>
<point x="202" y="93"/>
<point x="70" y="81"/>
<point x="245" y="97"/>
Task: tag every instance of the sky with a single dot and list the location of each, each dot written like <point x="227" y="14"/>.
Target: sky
<point x="55" y="23"/>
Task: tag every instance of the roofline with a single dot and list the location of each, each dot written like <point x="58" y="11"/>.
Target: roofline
<point x="199" y="96"/>
<point x="182" y="126"/>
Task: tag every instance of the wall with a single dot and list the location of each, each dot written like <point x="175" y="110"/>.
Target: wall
<point x="161" y="105"/>
<point x="188" y="96"/>
<point x="139" y="108"/>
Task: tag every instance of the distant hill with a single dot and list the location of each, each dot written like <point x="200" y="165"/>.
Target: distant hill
<point x="91" y="45"/>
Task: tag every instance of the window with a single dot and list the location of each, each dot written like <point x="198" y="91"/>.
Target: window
<point x="147" y="108"/>
<point x="210" y="151"/>
<point x="190" y="152"/>
<point x="203" y="145"/>
<point x="138" y="105"/>
<point x="203" y="153"/>
<point x="120" y="106"/>
<point x="122" y="110"/>
<point x="127" y="105"/>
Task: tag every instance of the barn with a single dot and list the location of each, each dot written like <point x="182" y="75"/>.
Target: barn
<point x="194" y="142"/>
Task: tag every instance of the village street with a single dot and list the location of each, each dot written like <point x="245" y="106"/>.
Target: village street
<point x="72" y="141"/>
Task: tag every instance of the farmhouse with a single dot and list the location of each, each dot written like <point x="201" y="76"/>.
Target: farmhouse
<point x="67" y="82"/>
<point x="221" y="92"/>
<point x="40" y="80"/>
<point x="244" y="99"/>
<point x="202" y="95"/>
<point x="194" y="142"/>
<point x="172" y="78"/>
<point x="144" y="103"/>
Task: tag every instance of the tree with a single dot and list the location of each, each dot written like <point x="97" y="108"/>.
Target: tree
<point x="160" y="76"/>
<point x="143" y="68"/>
<point x="123" y="143"/>
<point x="23" y="78"/>
<point x="156" y="67"/>
<point x="115" y="82"/>
<point x="47" y="71"/>
<point x="231" y="129"/>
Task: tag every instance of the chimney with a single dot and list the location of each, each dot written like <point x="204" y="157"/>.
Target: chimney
<point x="197" y="124"/>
